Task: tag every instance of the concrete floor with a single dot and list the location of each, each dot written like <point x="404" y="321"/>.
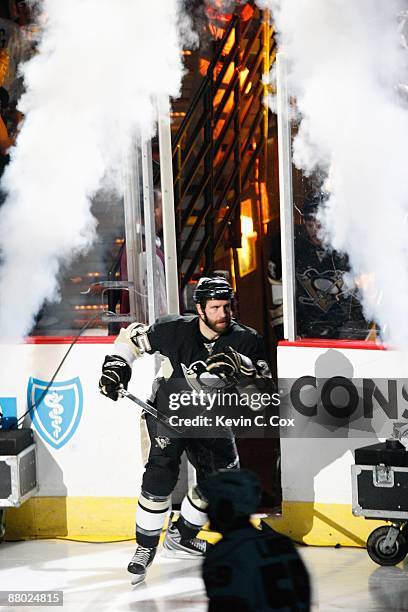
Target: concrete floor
<point x="94" y="577"/>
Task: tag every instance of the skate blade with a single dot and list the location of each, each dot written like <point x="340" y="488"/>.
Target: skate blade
<point x="180" y="554"/>
<point x="137" y="579"/>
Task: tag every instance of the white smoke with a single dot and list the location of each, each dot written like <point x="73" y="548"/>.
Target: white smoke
<point x="89" y="89"/>
<point x="346" y="61"/>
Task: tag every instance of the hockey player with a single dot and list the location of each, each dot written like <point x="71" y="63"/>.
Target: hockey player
<point x="230" y="351"/>
<point x="249" y="569"/>
<point x="325" y="306"/>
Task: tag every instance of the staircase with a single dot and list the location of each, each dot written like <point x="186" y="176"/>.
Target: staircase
<point x="219" y="146"/>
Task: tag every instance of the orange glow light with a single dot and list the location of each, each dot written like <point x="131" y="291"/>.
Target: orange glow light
<point x="203" y="66"/>
<point x="247" y="253"/>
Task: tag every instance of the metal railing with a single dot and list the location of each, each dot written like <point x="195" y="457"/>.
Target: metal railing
<point x="221" y="137"/>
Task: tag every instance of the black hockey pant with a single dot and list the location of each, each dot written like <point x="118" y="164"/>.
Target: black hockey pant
<point x="207" y="455"/>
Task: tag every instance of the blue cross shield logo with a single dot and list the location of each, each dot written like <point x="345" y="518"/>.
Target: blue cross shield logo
<point x="55" y="412"/>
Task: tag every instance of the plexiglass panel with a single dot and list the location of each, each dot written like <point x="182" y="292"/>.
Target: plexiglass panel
<point x="83" y="296"/>
<point x="327" y="296"/>
<point x="108" y="287"/>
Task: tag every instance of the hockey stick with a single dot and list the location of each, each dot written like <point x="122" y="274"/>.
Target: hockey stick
<point x="162" y="418"/>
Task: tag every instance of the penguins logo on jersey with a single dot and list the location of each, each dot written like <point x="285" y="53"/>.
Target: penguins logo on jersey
<point x="162" y="442"/>
<point x="199" y="379"/>
<point x="323" y="288"/>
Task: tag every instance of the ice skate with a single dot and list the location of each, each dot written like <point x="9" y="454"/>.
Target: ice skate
<point x="139" y="563"/>
<point x="175" y="547"/>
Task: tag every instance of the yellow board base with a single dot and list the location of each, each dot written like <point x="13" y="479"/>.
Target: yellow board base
<point x="79" y="518"/>
<point x="88" y="519"/>
<point x="323" y="524"/>
<point x="99" y="519"/>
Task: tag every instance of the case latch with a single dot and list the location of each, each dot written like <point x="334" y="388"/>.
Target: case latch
<point x="383" y="476"/>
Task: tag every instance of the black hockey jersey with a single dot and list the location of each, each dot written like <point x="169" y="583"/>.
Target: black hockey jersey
<point x="178" y="338"/>
<point x="325" y="306"/>
<point x="323" y="300"/>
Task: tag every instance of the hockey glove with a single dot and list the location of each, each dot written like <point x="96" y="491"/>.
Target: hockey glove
<point x="116" y="373"/>
<point x="232" y="367"/>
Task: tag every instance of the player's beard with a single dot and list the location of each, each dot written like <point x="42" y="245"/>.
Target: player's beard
<point x="213" y="326"/>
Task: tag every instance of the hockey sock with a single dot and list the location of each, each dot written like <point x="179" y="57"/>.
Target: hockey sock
<point x="151" y="514"/>
<point x="192" y="515"/>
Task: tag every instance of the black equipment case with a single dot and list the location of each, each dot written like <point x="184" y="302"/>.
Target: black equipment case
<point x="18" y="473"/>
<point x="380" y="481"/>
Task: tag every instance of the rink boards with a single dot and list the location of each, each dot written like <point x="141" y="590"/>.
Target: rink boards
<point x="316" y="468"/>
<point x="90" y="448"/>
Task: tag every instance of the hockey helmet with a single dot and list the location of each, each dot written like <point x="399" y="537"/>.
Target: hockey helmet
<point x="310" y="208"/>
<point x="231" y="494"/>
<point x="216" y="288"/>
<point x="312" y="204"/>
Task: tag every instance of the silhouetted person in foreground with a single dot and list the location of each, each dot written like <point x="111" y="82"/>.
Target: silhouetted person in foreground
<point x="249" y="569"/>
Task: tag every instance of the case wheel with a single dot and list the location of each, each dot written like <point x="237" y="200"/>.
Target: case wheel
<point x="375" y="547"/>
